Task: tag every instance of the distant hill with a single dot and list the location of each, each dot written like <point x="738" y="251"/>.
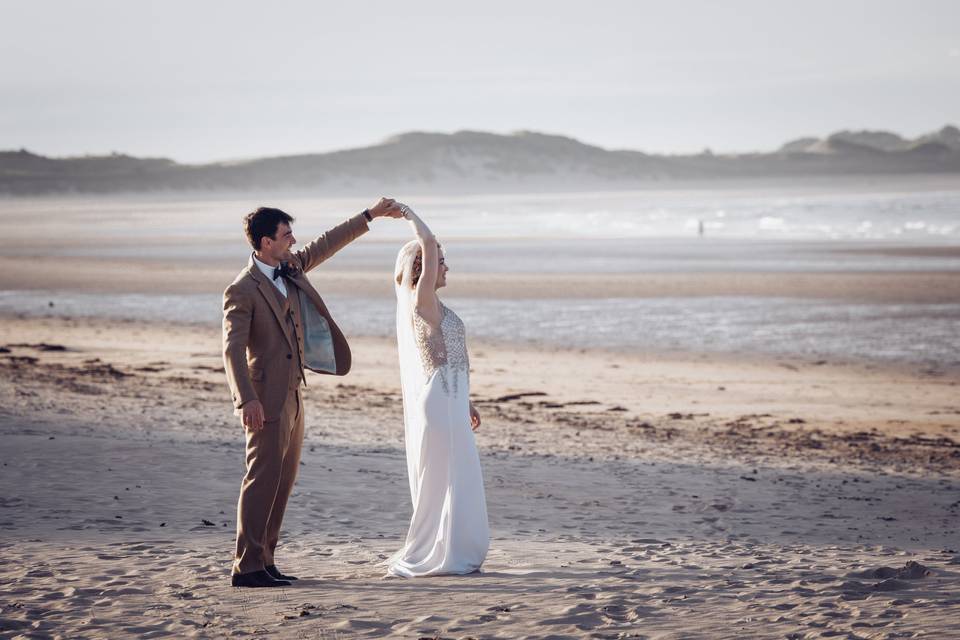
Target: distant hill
<point x="872" y="141"/>
<point x="478" y="161"/>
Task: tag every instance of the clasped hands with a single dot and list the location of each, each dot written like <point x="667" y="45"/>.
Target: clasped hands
<point x="387" y="208"/>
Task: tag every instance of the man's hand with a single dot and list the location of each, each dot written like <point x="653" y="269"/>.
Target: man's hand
<point x="386" y="208"/>
<point x="474" y="417"/>
<point x="251" y="415"/>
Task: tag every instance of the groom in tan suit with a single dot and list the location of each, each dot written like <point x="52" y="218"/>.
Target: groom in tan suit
<point x="274" y="326"/>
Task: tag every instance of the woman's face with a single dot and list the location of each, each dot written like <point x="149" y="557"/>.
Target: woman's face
<point x="442" y="269"/>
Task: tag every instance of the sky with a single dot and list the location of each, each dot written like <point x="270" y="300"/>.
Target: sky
<point x="200" y="81"/>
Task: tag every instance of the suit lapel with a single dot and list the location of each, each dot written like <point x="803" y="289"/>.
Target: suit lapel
<point x="301" y="282"/>
<point x="312" y="297"/>
<point x="266" y="289"/>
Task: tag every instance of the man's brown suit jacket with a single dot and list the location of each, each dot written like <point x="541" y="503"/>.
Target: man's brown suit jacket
<point x="258" y="346"/>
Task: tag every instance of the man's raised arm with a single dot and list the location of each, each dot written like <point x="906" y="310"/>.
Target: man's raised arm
<point x="343" y="234"/>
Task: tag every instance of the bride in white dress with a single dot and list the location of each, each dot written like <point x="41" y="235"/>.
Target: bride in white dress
<point x="448" y="531"/>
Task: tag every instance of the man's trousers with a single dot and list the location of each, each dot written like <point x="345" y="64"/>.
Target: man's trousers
<point x="273" y="459"/>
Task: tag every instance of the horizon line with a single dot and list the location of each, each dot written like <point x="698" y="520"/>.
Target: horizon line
<point x="512" y="133"/>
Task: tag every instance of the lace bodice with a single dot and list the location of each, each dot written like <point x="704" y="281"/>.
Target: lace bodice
<point x="444" y="351"/>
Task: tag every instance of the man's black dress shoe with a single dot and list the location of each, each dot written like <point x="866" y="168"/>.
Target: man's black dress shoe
<point x="275" y="573"/>
<point x="257" y="579"/>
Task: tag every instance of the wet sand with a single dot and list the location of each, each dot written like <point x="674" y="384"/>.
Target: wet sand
<point x="127" y="275"/>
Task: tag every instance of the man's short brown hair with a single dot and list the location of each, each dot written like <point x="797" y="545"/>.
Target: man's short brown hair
<point x="263" y="223"/>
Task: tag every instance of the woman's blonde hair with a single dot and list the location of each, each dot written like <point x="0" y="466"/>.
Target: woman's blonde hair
<point x="410" y="263"/>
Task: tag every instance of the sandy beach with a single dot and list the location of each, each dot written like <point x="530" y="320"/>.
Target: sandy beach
<point x="727" y="438"/>
<point x="647" y="496"/>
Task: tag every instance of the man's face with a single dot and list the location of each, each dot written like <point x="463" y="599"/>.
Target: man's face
<point x="278" y="247"/>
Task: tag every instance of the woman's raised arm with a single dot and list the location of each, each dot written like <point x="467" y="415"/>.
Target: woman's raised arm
<point x="427" y="305"/>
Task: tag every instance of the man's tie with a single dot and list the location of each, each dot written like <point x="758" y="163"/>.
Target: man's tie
<point x="284" y="270"/>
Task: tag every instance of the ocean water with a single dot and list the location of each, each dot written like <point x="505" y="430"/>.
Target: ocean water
<point x="843" y="229"/>
<point x="530" y="233"/>
<point x="922" y="334"/>
<point x="834" y="213"/>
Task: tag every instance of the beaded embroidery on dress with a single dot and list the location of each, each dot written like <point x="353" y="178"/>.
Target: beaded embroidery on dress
<point x="445" y="352"/>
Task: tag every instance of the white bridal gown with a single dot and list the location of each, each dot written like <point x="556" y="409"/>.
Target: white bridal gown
<point x="448" y="531"/>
